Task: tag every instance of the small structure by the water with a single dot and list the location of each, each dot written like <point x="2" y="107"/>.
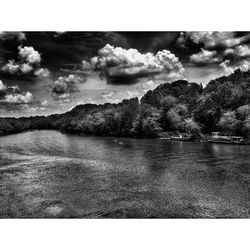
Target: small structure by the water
<point x="218" y="138"/>
<point x="182" y="137"/>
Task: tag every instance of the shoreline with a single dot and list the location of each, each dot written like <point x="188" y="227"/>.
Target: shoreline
<point x="195" y="139"/>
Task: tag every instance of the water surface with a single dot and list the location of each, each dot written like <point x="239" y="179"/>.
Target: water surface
<point x="49" y="174"/>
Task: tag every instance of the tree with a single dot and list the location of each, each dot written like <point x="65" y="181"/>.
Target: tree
<point x="228" y="122"/>
<point x="243" y="112"/>
<point x="246" y="128"/>
<point x="151" y="122"/>
<point x="173" y="120"/>
<point x="168" y="102"/>
<point x="191" y="127"/>
<point x="207" y="113"/>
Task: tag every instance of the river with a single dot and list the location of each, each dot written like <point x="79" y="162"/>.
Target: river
<point x="47" y="174"/>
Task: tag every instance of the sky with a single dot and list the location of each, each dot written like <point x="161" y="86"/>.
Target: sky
<point x="43" y="73"/>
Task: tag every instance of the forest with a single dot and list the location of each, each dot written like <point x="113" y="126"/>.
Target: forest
<point x="171" y="108"/>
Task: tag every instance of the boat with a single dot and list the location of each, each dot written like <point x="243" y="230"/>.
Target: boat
<point x="226" y="139"/>
<point x="182" y="137"/>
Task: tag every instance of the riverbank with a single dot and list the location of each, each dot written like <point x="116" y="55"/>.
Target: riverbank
<point x="162" y="136"/>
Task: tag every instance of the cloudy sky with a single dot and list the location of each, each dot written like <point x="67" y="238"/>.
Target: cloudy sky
<point x="51" y="72"/>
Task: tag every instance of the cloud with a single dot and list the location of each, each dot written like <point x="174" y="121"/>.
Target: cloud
<point x="145" y="87"/>
<point x="59" y="87"/>
<point x="216" y="47"/>
<point x="245" y="65"/>
<point x="8" y="90"/>
<point x="11" y="67"/>
<point x="130" y="95"/>
<point x="29" y="55"/>
<point x="120" y="62"/>
<point x="70" y="78"/>
<point x="62" y="98"/>
<point x="20" y="36"/>
<point x="13" y="94"/>
<point x="44" y="103"/>
<point x="204" y="57"/>
<point x="106" y="94"/>
<point x="212" y="39"/>
<point x="229" y="69"/>
<point x="66" y="84"/>
<point x="2" y="87"/>
<point x="138" y="91"/>
<point x="42" y="72"/>
<point x="25" y="68"/>
<point x="19" y="98"/>
<point x="239" y="51"/>
<point x="86" y="65"/>
<point x="28" y="63"/>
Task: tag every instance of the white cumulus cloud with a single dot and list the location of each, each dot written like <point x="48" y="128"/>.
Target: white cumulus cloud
<point x="13" y="94"/>
<point x="87" y="65"/>
<point x="240" y="51"/>
<point x="212" y="39"/>
<point x="28" y="63"/>
<point x="29" y="55"/>
<point x="229" y="69"/>
<point x="19" y="98"/>
<point x="204" y="57"/>
<point x="117" y="61"/>
<point x="25" y="68"/>
<point x="42" y="72"/>
<point x="11" y="67"/>
<point x="59" y="87"/>
<point x="66" y="84"/>
<point x="245" y="65"/>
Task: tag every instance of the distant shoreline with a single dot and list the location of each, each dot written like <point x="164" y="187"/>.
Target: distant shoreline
<point x="171" y="109"/>
<point x="197" y="140"/>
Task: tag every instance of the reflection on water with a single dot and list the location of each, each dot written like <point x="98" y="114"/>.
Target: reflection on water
<point x="49" y="174"/>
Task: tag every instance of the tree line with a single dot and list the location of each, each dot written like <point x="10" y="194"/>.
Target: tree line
<point x="172" y="108"/>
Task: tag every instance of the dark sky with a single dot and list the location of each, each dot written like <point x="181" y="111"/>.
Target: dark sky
<point x="51" y="76"/>
<point x="72" y="47"/>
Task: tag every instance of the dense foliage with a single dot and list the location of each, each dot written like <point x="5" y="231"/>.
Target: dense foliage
<point x="171" y="108"/>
